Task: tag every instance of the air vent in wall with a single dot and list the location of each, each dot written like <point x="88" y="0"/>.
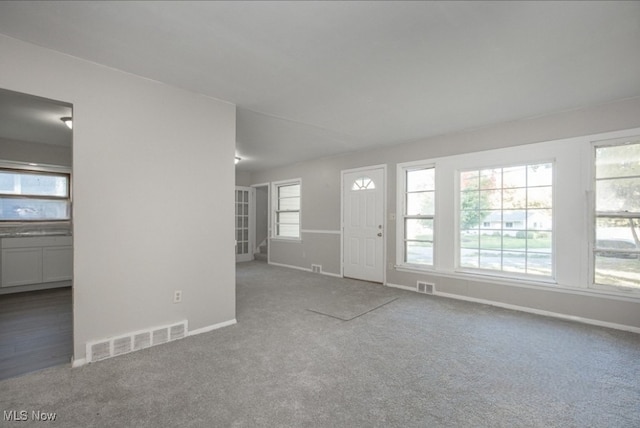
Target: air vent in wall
<point x="425" y="287"/>
<point x="99" y="350"/>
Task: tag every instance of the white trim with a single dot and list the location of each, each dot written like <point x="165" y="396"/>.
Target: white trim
<point x="524" y="283"/>
<point x="401" y="287"/>
<point x="212" y="327"/>
<point x="289" y="266"/>
<point x="272" y="208"/>
<point x="75" y="363"/>
<point x="384" y="215"/>
<point x="541" y="312"/>
<point x="525" y="309"/>
<point x="329" y="232"/>
<point x="336" y="275"/>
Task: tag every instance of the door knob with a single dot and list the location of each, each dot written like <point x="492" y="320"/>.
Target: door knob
<point x="379" y="233"/>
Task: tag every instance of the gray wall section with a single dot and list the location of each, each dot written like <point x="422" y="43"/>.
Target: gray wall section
<point x="262" y="214"/>
<point x="321" y="206"/>
<point x="25" y="151"/>
<point x="142" y="151"/>
<point x="243" y="178"/>
<point x="315" y="249"/>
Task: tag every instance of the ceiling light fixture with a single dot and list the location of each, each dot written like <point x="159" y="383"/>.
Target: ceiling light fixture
<point x="238" y="159"/>
<point x="67" y="121"/>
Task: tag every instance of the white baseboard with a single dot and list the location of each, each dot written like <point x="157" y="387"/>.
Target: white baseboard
<point x="78" y="363"/>
<point x="212" y="327"/>
<point x="526" y="309"/>
<point x="402" y="287"/>
<point x="336" y="275"/>
<point x="542" y="312"/>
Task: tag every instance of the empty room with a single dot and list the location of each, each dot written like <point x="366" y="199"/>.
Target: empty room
<point x="325" y="214"/>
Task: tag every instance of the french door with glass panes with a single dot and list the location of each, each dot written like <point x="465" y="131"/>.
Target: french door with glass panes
<point x="244" y="233"/>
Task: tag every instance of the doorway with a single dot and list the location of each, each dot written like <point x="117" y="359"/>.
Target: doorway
<point x="244" y="229"/>
<point x="363" y="200"/>
<point x="36" y="306"/>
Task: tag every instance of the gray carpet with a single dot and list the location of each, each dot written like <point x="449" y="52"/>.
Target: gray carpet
<point x="419" y="361"/>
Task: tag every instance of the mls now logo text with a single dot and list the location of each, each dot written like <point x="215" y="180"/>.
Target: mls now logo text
<point x="24" y="415"/>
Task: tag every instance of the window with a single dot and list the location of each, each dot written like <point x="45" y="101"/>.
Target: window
<point x="34" y="196"/>
<point x="505" y="219"/>
<point x="418" y="215"/>
<point x="363" y="183"/>
<point x="617" y="214"/>
<point x="287" y="210"/>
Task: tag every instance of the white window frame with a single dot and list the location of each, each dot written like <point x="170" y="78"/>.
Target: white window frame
<point x="594" y="215"/>
<point x="46" y="170"/>
<point x="401" y="199"/>
<point x="501" y="273"/>
<point x="275" y="186"/>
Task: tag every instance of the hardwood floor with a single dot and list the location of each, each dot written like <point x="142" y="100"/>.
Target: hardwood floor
<point x="36" y="330"/>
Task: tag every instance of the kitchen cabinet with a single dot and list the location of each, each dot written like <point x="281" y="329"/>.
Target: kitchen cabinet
<point x="36" y="260"/>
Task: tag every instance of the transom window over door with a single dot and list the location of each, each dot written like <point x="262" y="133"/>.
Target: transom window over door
<point x="287" y="209"/>
<point x="617" y="214"/>
<point x="363" y="183"/>
<point x="506" y="219"/>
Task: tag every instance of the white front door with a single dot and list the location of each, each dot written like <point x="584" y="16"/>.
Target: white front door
<point x="363" y="224"/>
<point x="244" y="238"/>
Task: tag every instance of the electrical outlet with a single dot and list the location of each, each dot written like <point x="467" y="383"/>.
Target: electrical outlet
<point x="177" y="296"/>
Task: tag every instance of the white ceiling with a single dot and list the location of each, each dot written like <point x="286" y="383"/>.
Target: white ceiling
<point x="319" y="78"/>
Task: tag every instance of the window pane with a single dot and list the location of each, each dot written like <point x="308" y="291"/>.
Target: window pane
<point x="540" y="174"/>
<point x="514" y="198"/>
<point x="419" y="229"/>
<point x="617" y="269"/>
<point x="419" y="252"/>
<point x="33" y="184"/>
<point x="288" y="230"/>
<point x="515" y="240"/>
<point x="621" y="194"/>
<point x="514" y="177"/>
<point x="469" y="239"/>
<point x="34" y="209"/>
<point x="289" y="204"/>
<point x="420" y="179"/>
<point x="490" y="241"/>
<point x="618" y="161"/>
<point x="491" y="178"/>
<point x="539" y="263"/>
<point x="539" y="197"/>
<point x="469" y="258"/>
<point x="617" y="233"/>
<point x="514" y="262"/>
<point x="421" y="203"/>
<point x="288" y="217"/>
<point x="469" y="180"/>
<point x="490" y="260"/>
<point x="289" y="190"/>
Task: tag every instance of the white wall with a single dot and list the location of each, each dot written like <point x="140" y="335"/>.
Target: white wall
<point x="142" y="153"/>
<point x="25" y="151"/>
<point x="321" y="211"/>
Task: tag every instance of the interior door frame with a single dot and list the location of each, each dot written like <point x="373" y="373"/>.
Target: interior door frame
<point x="251" y="227"/>
<point x="384" y="216"/>
<point x="253" y="215"/>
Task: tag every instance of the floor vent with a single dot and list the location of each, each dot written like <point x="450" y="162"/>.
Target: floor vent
<point x="316" y="268"/>
<point x="425" y="287"/>
<point x="107" y="348"/>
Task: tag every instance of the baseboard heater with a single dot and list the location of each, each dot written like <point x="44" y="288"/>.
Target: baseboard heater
<point x="120" y="345"/>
